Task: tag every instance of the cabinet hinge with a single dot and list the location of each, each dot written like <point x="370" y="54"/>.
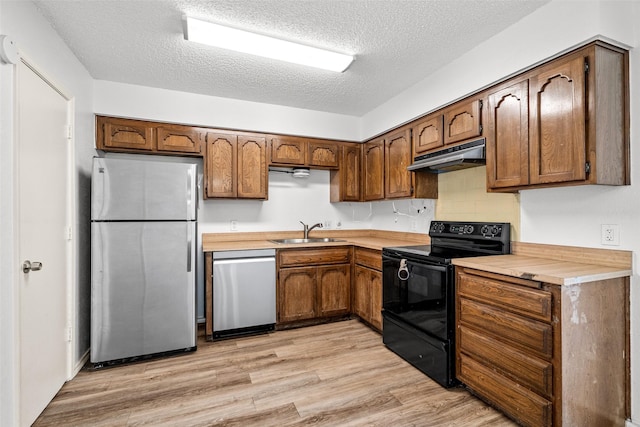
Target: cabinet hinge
<point x="586" y="66"/>
<point x="587" y="167"/>
<point x="481" y="129"/>
<point x="480" y="104"/>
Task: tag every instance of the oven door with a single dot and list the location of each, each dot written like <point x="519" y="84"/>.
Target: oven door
<point x="419" y="293"/>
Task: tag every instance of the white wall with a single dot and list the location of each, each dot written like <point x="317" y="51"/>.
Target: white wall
<point x="565" y="216"/>
<point x="42" y="47"/>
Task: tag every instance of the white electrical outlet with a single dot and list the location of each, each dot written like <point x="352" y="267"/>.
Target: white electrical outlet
<point x="233" y="225"/>
<point x="414" y="225"/>
<point x="610" y="234"/>
<point x="327" y="224"/>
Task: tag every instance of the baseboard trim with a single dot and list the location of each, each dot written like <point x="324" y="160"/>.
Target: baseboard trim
<point x="80" y="364"/>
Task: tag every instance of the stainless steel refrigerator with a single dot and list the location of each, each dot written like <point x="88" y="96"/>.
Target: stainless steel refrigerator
<point x="143" y="260"/>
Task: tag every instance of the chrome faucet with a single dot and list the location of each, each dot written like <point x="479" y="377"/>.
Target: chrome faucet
<point x="307" y="229"/>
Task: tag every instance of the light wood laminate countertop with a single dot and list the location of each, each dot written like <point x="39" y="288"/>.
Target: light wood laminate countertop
<point x="559" y="265"/>
<point x="370" y="239"/>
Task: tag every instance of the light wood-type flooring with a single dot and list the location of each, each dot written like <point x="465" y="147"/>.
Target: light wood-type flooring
<point x="335" y="374"/>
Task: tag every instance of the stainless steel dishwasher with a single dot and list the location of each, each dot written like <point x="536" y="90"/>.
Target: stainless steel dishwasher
<point x="244" y="292"/>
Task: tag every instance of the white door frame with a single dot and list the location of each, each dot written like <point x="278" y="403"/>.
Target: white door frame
<point x="71" y="285"/>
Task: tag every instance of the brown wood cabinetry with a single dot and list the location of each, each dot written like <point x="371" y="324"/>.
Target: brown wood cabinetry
<point x="137" y="136"/>
<point x="346" y="182"/>
<point x="384" y="169"/>
<point x="296" y="151"/>
<point x="373" y="170"/>
<point x="563" y="123"/>
<point x="544" y="354"/>
<point x="462" y="120"/>
<point x="427" y="134"/>
<point x="398" y="181"/>
<point x="235" y="166"/>
<point x="367" y="286"/>
<point x="313" y="283"/>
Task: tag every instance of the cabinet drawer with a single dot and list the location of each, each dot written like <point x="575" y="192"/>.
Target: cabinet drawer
<point x="526" y="334"/>
<point x="533" y="373"/>
<point x="523" y="405"/>
<point x="530" y="302"/>
<point x="369" y="258"/>
<point x="304" y="257"/>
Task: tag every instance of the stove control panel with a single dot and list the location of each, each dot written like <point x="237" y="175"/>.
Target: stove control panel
<point x="486" y="230"/>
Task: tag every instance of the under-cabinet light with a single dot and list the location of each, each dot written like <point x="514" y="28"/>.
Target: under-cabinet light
<point x="256" y="44"/>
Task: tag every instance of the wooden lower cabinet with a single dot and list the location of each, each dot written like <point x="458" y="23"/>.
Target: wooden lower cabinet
<point x="367" y="286"/>
<point x="546" y="355"/>
<point x="313" y="284"/>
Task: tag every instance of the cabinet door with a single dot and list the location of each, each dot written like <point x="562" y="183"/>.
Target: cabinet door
<point x="508" y="136"/>
<point x="334" y="290"/>
<point x="350" y="172"/>
<point x="427" y="134"/>
<point x="221" y="165"/>
<point x="375" y="291"/>
<point x="124" y="134"/>
<point x="373" y="170"/>
<point x="396" y="159"/>
<point x="361" y="302"/>
<point x="557" y="122"/>
<point x="179" y="139"/>
<point x="288" y="150"/>
<point x="324" y="154"/>
<point x="296" y="294"/>
<point x="252" y="167"/>
<point x="462" y="121"/>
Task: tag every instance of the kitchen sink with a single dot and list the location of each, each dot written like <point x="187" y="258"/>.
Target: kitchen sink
<point x="310" y="240"/>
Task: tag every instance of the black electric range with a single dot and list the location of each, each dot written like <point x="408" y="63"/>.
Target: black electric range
<point x="419" y="292"/>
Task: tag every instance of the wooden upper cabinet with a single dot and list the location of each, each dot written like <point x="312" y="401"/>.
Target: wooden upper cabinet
<point x="373" y="170"/>
<point x="563" y="123"/>
<point x="324" y="154"/>
<point x="398" y="180"/>
<point x="180" y="139"/>
<point x="346" y="183"/>
<point x="236" y="166"/>
<point x="288" y="150"/>
<point x="221" y="165"/>
<point x="557" y="122"/>
<point x="127" y="135"/>
<point x="427" y="134"/>
<point x="253" y="180"/>
<point x="462" y="121"/>
<point x="115" y="134"/>
<point x="508" y="135"/>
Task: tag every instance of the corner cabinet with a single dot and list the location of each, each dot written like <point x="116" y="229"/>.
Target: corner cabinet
<point x="235" y="166"/>
<point x="563" y="123"/>
<point x="367" y="286"/>
<point x="313" y="284"/>
<point x="546" y="355"/>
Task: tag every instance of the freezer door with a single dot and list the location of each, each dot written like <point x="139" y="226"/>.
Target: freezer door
<point x="124" y="189"/>
<point x="143" y="288"/>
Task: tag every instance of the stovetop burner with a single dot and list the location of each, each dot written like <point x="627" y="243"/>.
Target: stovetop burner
<point x="459" y="240"/>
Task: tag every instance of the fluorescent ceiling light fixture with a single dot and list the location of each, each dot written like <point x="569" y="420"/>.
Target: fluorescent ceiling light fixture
<point x="260" y="45"/>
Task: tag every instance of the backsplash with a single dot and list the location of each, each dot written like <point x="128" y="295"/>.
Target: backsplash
<point x="462" y="196"/>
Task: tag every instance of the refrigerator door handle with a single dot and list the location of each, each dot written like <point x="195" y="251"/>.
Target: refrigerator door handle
<point x="189" y="253"/>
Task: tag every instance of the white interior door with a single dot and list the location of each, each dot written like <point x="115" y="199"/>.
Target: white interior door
<point x="42" y="170"/>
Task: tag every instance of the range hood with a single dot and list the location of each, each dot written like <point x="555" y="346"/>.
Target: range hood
<point x="449" y="159"/>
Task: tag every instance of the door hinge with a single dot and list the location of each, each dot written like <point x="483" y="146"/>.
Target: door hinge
<point x="586" y="66"/>
<point x="69" y="334"/>
<point x="69" y="132"/>
<point x="69" y="233"/>
<point x="587" y="167"/>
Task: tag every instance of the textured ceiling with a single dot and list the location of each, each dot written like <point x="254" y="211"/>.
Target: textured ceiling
<point x="396" y="43"/>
